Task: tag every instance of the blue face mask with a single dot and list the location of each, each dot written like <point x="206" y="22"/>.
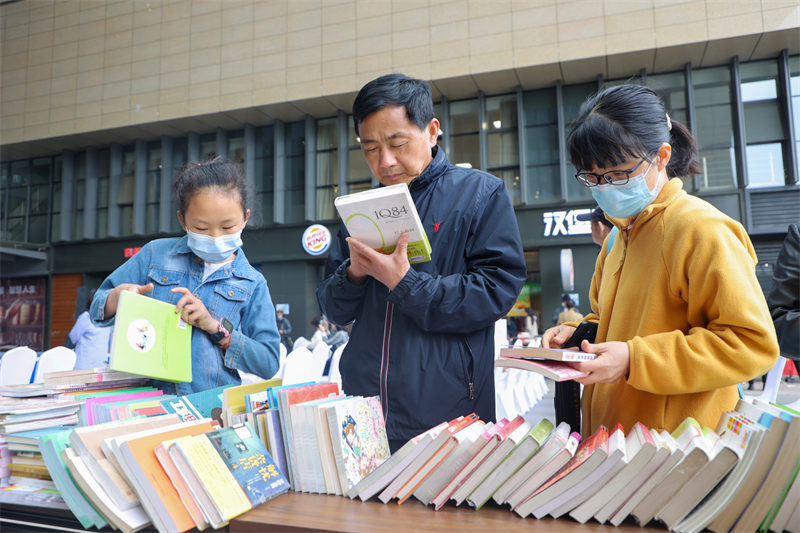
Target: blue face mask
<point x="623" y="201"/>
<point x="214" y="249"/>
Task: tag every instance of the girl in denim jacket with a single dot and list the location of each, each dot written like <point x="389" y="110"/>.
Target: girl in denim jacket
<point x="208" y="278"/>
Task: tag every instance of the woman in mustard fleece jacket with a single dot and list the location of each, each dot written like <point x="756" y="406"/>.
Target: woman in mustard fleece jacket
<point x="681" y="319"/>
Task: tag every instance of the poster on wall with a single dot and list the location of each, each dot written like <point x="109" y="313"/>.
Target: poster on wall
<point x="22" y="310"/>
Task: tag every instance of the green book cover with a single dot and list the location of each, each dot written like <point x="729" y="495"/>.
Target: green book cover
<point x="150" y="339"/>
<point x="378" y="217"/>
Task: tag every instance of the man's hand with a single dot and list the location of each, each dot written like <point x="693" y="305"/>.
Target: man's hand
<point x="388" y="269"/>
<point x="613" y="362"/>
<point x="112" y="300"/>
<point x="557" y="336"/>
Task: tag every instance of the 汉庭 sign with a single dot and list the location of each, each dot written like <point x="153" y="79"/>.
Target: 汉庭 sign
<point x="564" y="223"/>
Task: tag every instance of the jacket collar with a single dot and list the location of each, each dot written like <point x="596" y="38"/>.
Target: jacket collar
<point x="438" y="166"/>
<point x="240" y="266"/>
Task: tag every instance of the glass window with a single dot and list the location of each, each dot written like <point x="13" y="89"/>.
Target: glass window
<point x="327" y="168"/>
<point x="236" y="146"/>
<point x="503" y="141"/>
<point x="573" y="97"/>
<point x="714" y="128"/>
<point x="18" y="201"/>
<point x="55" y="220"/>
<point x="125" y="193"/>
<point x="671" y="87"/>
<point x="264" y="174"/>
<point x="153" y="186"/>
<point x="78" y="195"/>
<point x="763" y="123"/>
<point x="208" y="146"/>
<point x="359" y="176"/>
<point x="295" y="178"/>
<point x="180" y="156"/>
<point x="794" y="84"/>
<point x="464" y="139"/>
<point x="541" y="146"/>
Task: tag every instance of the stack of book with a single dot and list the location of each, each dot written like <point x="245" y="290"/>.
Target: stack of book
<point x="550" y="362"/>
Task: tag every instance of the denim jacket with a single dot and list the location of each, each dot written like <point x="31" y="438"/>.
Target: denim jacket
<point x="236" y="291"/>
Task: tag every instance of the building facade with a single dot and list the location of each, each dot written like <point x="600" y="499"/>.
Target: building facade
<point x="103" y="101"/>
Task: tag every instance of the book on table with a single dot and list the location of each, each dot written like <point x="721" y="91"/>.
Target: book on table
<point x="781" y="469"/>
<point x="126" y="520"/>
<point x="87" y="442"/>
<point x="197" y="405"/>
<point x="552" y="354"/>
<point x="440" y="434"/>
<point x="590" y="454"/>
<point x="579" y="488"/>
<point x="722" y="458"/>
<point x="458" y="487"/>
<point x="640" y="450"/>
<point x="317" y="465"/>
<point x="135" y="453"/>
<point x="790" y="505"/>
<point x="52" y="445"/>
<point x="674" y="456"/>
<point x="748" y="435"/>
<point x="512" y="462"/>
<point x="556" y="439"/>
<point x="358" y="438"/>
<point x="377" y="217"/>
<point x="378" y="479"/>
<point x="555" y="370"/>
<point x="469" y="425"/>
<point x="150" y="339"/>
<point x="538" y="470"/>
<point x="286" y="396"/>
<point x="694" y="449"/>
<point x="464" y="441"/>
<point x="476" y="492"/>
<point x="233" y="398"/>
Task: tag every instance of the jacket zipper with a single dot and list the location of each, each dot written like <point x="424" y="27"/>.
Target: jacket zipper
<point x="384" y="375"/>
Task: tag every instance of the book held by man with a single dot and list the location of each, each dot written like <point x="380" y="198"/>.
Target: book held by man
<point x="150" y="339"/>
<point x="378" y="217"/>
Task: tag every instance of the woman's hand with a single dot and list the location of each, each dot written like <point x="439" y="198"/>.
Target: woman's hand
<point x="557" y="336"/>
<point x="194" y="312"/>
<point x="613" y="362"/>
<point x="112" y="301"/>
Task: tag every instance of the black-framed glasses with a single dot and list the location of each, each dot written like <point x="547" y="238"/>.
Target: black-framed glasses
<point x="612" y="177"/>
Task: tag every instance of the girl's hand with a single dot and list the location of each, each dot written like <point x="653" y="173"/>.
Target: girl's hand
<point x="613" y="362"/>
<point x="113" y="297"/>
<point x="194" y="312"/>
<point x="557" y="336"/>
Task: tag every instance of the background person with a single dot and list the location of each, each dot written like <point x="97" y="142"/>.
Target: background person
<point x="681" y="317"/>
<point x="91" y="342"/>
<point x="206" y="275"/>
<point x="784" y="296"/>
<point x="601" y="226"/>
<point x="570" y="315"/>
<point x="423" y="337"/>
<point x="284" y="328"/>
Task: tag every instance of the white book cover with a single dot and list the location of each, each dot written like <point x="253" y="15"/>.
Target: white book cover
<point x="377" y="217"/>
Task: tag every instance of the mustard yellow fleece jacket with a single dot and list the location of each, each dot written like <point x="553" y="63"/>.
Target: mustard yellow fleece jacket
<point x="680" y="288"/>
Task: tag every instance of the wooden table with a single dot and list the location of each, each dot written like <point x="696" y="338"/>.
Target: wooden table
<point x="297" y="512"/>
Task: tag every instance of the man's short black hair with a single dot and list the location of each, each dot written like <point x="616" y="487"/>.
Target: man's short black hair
<point x="395" y="89"/>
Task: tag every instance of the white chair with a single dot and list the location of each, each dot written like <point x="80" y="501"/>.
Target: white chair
<point x="518" y="343"/>
<point x="321" y="353"/>
<point x="56" y="359"/>
<point x="770" y="392"/>
<point x="17" y="365"/>
<point x="300" y="342"/>
<point x="301" y="367"/>
<point x="334" y="375"/>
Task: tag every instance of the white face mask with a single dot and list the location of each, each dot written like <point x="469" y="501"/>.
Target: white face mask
<point x="214" y="249"/>
<point x="623" y="201"/>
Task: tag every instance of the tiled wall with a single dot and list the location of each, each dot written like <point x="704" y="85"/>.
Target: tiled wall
<point x="73" y="66"/>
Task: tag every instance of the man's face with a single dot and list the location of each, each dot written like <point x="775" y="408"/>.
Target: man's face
<point x="395" y="149"/>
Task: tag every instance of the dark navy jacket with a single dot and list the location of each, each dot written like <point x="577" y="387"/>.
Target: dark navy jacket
<point x="427" y="348"/>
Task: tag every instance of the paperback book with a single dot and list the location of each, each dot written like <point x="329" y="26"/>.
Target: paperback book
<point x="377" y="217"/>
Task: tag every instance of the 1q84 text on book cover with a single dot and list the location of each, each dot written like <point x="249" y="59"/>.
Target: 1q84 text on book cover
<point x="378" y="217"/>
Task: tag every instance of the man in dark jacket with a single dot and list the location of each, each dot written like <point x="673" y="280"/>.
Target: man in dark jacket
<point x="423" y="337"/>
<point x="784" y="296"/>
